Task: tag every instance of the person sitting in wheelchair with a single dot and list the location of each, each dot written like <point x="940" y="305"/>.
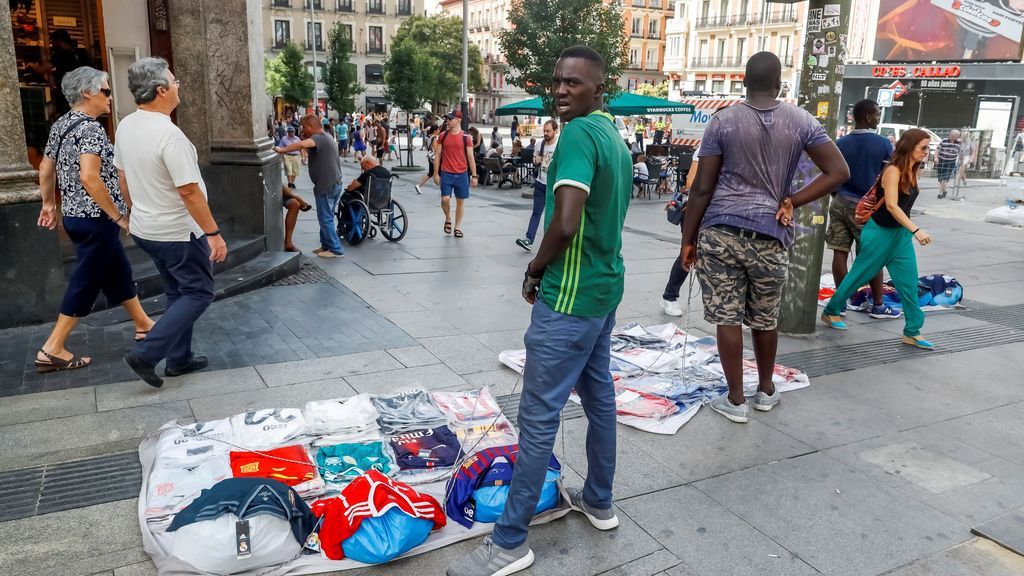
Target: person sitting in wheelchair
<point x="371" y="167"/>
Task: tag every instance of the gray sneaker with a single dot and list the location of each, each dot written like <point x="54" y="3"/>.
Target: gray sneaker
<point x="764" y="402"/>
<point x="489" y="559"/>
<point x="723" y="406"/>
<point x="601" y="519"/>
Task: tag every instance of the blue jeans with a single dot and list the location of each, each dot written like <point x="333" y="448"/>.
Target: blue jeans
<point x="539" y="199"/>
<point x="325" y="204"/>
<point x="187" y="273"/>
<point x="563" y="352"/>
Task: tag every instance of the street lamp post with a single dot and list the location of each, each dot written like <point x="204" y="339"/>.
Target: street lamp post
<point x="312" y="43"/>
<point x="464" y="105"/>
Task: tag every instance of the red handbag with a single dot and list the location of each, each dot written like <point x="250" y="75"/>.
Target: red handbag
<point x="870" y="202"/>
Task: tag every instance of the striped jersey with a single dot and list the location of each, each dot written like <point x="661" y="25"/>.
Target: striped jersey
<point x="587" y="279"/>
<point x="948" y="150"/>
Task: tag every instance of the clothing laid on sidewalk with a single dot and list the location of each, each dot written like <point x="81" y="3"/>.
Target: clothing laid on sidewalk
<point x="407" y="411"/>
<point x="342" y="463"/>
<point x="421" y="449"/>
<point x="342" y="420"/>
<point x="258" y="429"/>
<point x="291" y="465"/>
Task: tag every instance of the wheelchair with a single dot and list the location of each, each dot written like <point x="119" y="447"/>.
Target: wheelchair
<point x="363" y="212"/>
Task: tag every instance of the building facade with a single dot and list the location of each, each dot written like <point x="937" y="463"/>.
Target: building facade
<point x="709" y="42"/>
<point x="645" y="26"/>
<point x="486" y="19"/>
<point x="371" y="24"/>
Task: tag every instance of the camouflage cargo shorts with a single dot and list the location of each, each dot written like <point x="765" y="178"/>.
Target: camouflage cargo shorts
<point x="842" y="228"/>
<point x="741" y="278"/>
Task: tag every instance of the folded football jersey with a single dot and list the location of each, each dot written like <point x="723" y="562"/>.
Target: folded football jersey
<point x="174" y="484"/>
<point x="344" y="462"/>
<point x="290" y="465"/>
<point x="432" y="448"/>
<point x="341" y="417"/>
<point x="196" y="441"/>
<point x="486" y="434"/>
<point x="371" y="495"/>
<point x="464" y="408"/>
<point x="241" y="524"/>
<point x="268" y="428"/>
<point x="407" y="411"/>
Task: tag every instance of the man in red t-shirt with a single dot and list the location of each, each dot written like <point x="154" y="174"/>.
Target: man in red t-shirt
<point x="454" y="165"/>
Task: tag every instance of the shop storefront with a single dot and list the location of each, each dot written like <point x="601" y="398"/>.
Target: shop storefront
<point x="53" y="37"/>
<point x="944" y="96"/>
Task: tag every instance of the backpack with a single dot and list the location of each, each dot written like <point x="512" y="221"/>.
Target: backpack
<point x="870" y="202"/>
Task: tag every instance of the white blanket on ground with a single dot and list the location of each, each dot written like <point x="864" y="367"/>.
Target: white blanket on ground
<point x="159" y="544"/>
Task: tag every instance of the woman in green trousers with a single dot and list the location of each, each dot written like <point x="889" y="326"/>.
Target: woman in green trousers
<point x="887" y="240"/>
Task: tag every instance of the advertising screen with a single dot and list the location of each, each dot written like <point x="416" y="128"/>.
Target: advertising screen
<point x="929" y="30"/>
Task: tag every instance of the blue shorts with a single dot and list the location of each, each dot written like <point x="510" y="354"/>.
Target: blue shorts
<point x="343" y="143"/>
<point x="457" y="183"/>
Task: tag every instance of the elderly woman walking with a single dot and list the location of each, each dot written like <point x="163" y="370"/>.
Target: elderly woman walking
<point x="79" y="160"/>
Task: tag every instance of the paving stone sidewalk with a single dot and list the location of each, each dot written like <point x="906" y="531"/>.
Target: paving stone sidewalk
<point x="883" y="469"/>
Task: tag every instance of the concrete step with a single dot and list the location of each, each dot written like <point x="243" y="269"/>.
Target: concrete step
<point x="251" y="274"/>
<point x="241" y="248"/>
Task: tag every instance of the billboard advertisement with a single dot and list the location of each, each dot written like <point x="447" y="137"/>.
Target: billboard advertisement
<point x="930" y="30"/>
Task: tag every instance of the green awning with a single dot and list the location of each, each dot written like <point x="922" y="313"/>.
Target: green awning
<point x="625" y="104"/>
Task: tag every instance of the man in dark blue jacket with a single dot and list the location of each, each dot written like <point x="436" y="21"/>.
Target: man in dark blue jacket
<point x="865" y="152"/>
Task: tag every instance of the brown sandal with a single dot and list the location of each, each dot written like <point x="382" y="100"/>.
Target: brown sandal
<point x="55" y="363"/>
<point x="458" y="233"/>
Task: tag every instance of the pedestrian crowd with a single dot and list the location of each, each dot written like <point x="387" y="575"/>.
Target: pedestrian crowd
<point x="737" y="228"/>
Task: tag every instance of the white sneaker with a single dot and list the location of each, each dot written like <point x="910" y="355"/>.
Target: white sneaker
<point x="418" y="189"/>
<point x="671" y="308"/>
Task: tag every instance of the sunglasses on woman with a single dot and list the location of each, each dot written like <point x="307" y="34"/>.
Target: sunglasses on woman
<point x="106" y="92"/>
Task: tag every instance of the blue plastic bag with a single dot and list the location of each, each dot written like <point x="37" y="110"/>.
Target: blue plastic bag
<point x="386" y="537"/>
<point x="490" y="500"/>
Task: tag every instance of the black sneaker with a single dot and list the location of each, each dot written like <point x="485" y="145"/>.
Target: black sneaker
<point x="525" y="244"/>
<point x="196" y="364"/>
<point x="144" y="370"/>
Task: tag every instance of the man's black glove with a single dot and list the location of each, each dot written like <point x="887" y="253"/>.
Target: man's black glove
<point x="531" y="284"/>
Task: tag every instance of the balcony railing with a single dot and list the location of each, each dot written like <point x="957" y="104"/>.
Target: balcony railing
<point x="655" y="4"/>
<point x="653" y="35"/>
<point x="374" y="48"/>
<point x="405" y="8"/>
<point x="713" y="22"/>
<point x="634" y="65"/>
<point x="375" y="7"/>
<point x="319" y="46"/>
<point x="717" y="62"/>
<point x="344" y="7"/>
<point x="636" y="34"/>
<point x="280" y="45"/>
<point x="786" y="17"/>
<point x="281" y="3"/>
<point x="746" y="19"/>
<point x="639" y="3"/>
<point x="317" y="5"/>
<point x="653" y="65"/>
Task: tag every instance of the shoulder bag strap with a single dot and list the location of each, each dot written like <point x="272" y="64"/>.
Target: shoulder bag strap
<point x="64" y="136"/>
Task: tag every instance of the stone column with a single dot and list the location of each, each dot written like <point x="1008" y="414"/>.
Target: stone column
<point x="31" y="266"/>
<point x="218" y="55"/>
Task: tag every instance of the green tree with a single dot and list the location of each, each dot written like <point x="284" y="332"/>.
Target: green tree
<point x="439" y="38"/>
<point x="286" y="76"/>
<point x="341" y="79"/>
<point x="407" y="80"/>
<point x="540" y="29"/>
<point x="656" y="90"/>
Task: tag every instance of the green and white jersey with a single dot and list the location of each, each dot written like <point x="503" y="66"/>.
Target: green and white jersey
<point x="587" y="279"/>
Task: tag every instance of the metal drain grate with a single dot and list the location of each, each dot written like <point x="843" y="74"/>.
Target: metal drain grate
<point x="1012" y="316"/>
<point x="69" y="485"/>
<point x="511" y="409"/>
<point x="308" y="273"/>
<point x="834" y="360"/>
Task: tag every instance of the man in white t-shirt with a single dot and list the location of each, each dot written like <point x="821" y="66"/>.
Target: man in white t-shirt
<point x="542" y="155"/>
<point x="170" y="219"/>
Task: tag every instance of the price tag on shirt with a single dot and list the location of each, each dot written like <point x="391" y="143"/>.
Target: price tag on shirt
<point x="243" y="540"/>
<point x="627" y="396"/>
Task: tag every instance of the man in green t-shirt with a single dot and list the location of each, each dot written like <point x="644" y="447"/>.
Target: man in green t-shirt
<point x="575" y="284"/>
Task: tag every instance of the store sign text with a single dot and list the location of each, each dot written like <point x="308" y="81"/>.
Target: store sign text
<point x="916" y="71"/>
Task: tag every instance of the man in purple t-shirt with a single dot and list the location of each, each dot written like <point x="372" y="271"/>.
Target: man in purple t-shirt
<point x="742" y="205"/>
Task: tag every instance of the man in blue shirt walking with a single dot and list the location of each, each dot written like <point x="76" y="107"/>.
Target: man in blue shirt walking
<point x="865" y="152"/>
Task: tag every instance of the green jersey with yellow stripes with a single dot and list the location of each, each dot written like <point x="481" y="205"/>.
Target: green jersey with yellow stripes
<point x="587" y="279"/>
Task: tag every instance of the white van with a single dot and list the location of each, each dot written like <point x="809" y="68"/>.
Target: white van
<point x="897" y="131"/>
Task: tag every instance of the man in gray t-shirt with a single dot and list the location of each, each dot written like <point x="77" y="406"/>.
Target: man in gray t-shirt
<point x="742" y="205"/>
<point x="325" y="172"/>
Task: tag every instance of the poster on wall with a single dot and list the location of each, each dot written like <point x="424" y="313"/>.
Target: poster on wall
<point x="927" y="30"/>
